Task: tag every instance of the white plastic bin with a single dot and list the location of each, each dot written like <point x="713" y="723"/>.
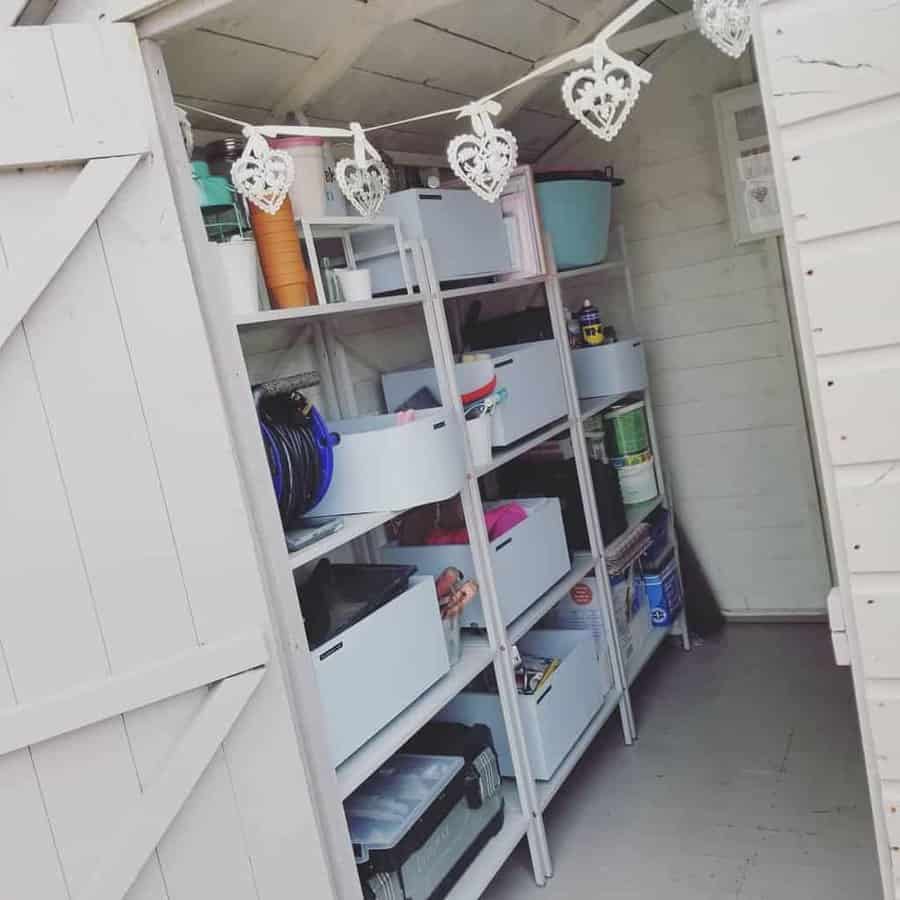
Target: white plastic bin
<point x="526" y="560"/>
<point x="380" y="465"/>
<point x="610" y="368"/>
<point x="531" y="374"/>
<point x="553" y="718"/>
<point x="370" y="673"/>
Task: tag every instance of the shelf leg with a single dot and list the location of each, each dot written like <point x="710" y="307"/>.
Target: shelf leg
<point x="479" y="542"/>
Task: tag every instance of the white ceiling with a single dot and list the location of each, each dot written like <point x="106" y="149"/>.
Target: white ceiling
<point x="245" y="60"/>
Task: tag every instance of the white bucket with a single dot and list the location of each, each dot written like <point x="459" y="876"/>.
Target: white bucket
<point x="638" y="483"/>
<point x="238" y="261"/>
<point x="479" y="431"/>
<point x="356" y="284"/>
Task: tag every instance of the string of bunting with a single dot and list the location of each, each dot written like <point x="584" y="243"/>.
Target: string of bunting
<point x="600" y="97"/>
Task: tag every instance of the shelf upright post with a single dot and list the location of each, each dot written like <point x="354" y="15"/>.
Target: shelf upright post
<point x="586" y="486"/>
<point x="681" y="628"/>
<point x="445" y="367"/>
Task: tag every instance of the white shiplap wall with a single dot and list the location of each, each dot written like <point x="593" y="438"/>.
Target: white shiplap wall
<point x="714" y="317"/>
<point x="831" y="83"/>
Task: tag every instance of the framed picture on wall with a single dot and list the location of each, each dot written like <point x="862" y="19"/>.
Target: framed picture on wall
<point x="747" y="169"/>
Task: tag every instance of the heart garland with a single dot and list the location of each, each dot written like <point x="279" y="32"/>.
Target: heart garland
<point x="602" y="98"/>
<point x="726" y="23"/>
<point x="483" y="161"/>
<point x="363" y="180"/>
<point x="261" y="174"/>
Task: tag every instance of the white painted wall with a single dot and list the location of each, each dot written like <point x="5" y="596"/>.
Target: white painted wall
<point x="726" y="389"/>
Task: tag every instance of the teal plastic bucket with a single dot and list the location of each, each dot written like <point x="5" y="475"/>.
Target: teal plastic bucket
<point x="575" y="210"/>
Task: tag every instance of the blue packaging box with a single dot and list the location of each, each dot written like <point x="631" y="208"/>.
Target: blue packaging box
<point x="664" y="594"/>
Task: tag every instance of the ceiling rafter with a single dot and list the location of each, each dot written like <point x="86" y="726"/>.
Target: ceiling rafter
<point x="593" y="21"/>
<point x="367" y="23"/>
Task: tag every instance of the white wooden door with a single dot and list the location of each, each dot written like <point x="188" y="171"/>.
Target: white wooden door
<point x="831" y="85"/>
<point x="147" y="744"/>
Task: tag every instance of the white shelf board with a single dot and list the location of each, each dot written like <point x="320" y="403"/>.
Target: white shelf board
<point x="636" y="513"/>
<point x="546" y="790"/>
<point x="497" y="850"/>
<point x="354" y="527"/>
<point x="590" y="406"/>
<point x="514" y="450"/>
<point x="351" y="773"/>
<point x="277" y="316"/>
<point x="642" y="655"/>
<point x="610" y="264"/>
<point x="581" y="566"/>
<point x="475" y="289"/>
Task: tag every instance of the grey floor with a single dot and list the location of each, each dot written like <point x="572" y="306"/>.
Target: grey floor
<point x="747" y="782"/>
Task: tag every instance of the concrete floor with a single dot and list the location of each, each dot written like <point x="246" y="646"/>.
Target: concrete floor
<point x="747" y="782"/>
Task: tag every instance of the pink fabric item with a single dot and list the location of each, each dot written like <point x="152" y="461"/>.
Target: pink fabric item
<point x="499" y="520"/>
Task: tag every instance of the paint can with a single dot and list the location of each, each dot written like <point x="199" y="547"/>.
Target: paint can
<point x="638" y="483"/>
<point x="627" y="429"/>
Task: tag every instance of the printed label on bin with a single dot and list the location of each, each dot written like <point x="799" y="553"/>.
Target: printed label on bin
<point x="581" y="594"/>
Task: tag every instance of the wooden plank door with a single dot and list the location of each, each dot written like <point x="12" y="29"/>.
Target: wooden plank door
<point x="148" y="747"/>
<point x="831" y="86"/>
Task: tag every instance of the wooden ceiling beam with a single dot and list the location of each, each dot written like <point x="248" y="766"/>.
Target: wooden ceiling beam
<point x="365" y="26"/>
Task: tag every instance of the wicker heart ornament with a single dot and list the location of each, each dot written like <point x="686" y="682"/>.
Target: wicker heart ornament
<point x="483" y="161"/>
<point x="364" y="179"/>
<point x="261" y="174"/>
<point x="602" y="98"/>
<point x="726" y="23"/>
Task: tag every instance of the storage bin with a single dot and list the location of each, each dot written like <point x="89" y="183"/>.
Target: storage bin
<point x="466" y="236"/>
<point x="576" y="208"/>
<point x="380" y="465"/>
<point x="617" y="368"/>
<point x="664" y="594"/>
<point x="555" y="716"/>
<point x="526" y="561"/>
<point x="370" y="673"/>
<point x="531" y="374"/>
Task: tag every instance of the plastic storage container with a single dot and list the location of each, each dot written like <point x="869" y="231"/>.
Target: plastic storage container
<point x="555" y="716"/>
<point x="467" y="237"/>
<point x="307" y="192"/>
<point x="526" y="561"/>
<point x="380" y="465"/>
<point x="617" y="368"/>
<point x="576" y="208"/>
<point x="369" y="673"/>
<point x="531" y="374"/>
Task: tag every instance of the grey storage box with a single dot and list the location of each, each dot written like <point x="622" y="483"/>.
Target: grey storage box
<point x="380" y="465"/>
<point x="531" y="374"/>
<point x="466" y="236"/>
<point x="370" y="673"/>
<point x="554" y="717"/>
<point x="617" y="368"/>
<point x="526" y="560"/>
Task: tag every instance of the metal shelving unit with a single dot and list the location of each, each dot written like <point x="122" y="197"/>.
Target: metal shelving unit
<point x="526" y="798"/>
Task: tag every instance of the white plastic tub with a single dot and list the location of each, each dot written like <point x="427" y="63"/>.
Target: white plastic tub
<point x="526" y="560"/>
<point x="531" y="374"/>
<point x="370" y="673"/>
<point x="555" y="716"/>
<point x="610" y="368"/>
<point x="380" y="465"/>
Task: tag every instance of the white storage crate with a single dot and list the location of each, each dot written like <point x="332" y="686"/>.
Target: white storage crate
<point x="380" y="465"/>
<point x="526" y="560"/>
<point x="467" y="237"/>
<point x="531" y="374"/>
<point x="370" y="673"/>
<point x="610" y="368"/>
<point x="554" y="717"/>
